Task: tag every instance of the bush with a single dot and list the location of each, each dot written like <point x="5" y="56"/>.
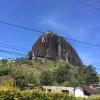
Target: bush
<point x="32" y="95"/>
<point x="62" y="74"/>
<point x="5" y="71"/>
<point x="16" y="94"/>
<point x="46" y="78"/>
<point x="23" y="78"/>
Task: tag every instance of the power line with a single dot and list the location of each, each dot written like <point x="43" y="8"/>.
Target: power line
<point x="11" y="52"/>
<point x="18" y="26"/>
<point x="87" y="4"/>
<point x="42" y="32"/>
<point x="83" y="42"/>
<point x="15" y="46"/>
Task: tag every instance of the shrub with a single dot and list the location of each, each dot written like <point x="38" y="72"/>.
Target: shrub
<point x="46" y="78"/>
<point x="5" y="71"/>
<point x="16" y="94"/>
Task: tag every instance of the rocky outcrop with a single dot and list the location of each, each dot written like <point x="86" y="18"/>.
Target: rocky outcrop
<point x="55" y="47"/>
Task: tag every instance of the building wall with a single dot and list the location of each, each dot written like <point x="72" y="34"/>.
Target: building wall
<point x="96" y="94"/>
<point x="56" y="89"/>
<point x="79" y="92"/>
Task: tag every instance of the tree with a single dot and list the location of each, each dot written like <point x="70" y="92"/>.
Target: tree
<point x="23" y="76"/>
<point x="23" y="79"/>
<point x="90" y="74"/>
<point x="62" y="74"/>
<point x="30" y="54"/>
<point x="5" y="70"/>
<point x="46" y="78"/>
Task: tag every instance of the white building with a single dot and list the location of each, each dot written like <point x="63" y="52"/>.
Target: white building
<point x="84" y="91"/>
<point x="57" y="89"/>
<point x="77" y="91"/>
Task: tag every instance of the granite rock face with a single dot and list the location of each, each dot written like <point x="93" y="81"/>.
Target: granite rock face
<point x="55" y="47"/>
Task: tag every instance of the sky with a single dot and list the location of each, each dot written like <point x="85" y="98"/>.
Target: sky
<point x="68" y="18"/>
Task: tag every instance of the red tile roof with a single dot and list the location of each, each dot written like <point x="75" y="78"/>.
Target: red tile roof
<point x="88" y="89"/>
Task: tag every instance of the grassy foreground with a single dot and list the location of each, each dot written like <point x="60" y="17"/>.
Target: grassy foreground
<point x="16" y="94"/>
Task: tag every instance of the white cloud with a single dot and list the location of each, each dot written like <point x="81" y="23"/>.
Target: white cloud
<point x="1" y="58"/>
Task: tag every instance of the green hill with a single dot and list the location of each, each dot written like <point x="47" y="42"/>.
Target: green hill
<point x="46" y="72"/>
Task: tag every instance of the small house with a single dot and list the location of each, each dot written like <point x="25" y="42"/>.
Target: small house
<point x="58" y="89"/>
<point x="84" y="91"/>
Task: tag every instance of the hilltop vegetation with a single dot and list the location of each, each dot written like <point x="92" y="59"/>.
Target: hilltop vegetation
<point x="46" y="72"/>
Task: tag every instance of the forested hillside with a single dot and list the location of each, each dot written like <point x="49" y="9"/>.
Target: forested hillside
<point x="46" y="72"/>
